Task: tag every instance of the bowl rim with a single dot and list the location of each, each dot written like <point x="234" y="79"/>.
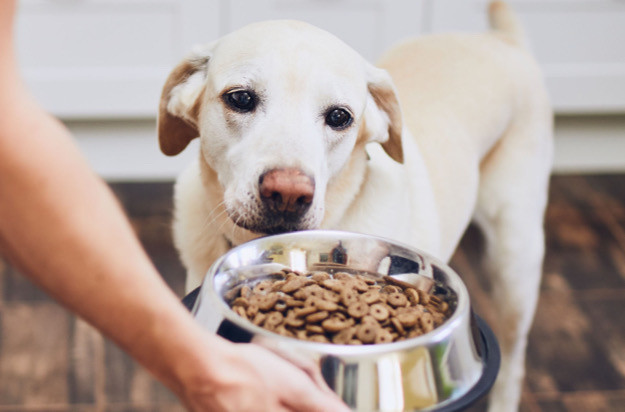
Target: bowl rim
<point x="439" y="334"/>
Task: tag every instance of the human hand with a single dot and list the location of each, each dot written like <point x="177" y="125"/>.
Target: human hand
<point x="252" y="378"/>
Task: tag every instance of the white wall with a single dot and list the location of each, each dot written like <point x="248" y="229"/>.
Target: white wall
<point x="122" y="150"/>
<point x="590" y="144"/>
<point x="128" y="150"/>
<point x="100" y="64"/>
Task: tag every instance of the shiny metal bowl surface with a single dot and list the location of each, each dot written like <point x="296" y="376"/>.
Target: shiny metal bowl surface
<point x="427" y="372"/>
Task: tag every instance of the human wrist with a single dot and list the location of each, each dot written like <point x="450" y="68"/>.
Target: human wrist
<point x="191" y="356"/>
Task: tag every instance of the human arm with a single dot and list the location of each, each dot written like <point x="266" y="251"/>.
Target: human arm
<point x="62" y="227"/>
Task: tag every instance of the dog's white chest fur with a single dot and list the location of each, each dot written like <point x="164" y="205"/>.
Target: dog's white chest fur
<point x="396" y="202"/>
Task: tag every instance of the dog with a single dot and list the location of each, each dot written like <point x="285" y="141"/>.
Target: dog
<point x="297" y="131"/>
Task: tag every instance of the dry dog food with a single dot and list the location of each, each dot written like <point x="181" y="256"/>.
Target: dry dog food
<point x="339" y="308"/>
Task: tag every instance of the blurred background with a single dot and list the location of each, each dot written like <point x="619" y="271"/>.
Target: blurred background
<point x="99" y="66"/>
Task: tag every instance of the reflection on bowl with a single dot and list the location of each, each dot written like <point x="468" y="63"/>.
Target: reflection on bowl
<point x="434" y="371"/>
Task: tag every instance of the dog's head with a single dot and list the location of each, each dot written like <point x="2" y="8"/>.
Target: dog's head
<point x="279" y="108"/>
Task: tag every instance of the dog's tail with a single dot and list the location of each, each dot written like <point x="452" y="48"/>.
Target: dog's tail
<point x="503" y="19"/>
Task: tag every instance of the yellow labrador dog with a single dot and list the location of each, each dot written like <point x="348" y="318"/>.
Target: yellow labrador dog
<point x="298" y="132"/>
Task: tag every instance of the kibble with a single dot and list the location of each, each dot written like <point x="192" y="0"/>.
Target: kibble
<point x="339" y="308"/>
<point x="367" y="333"/>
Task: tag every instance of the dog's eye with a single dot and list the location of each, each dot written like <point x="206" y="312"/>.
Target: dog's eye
<point x="241" y="100"/>
<point x="338" y="118"/>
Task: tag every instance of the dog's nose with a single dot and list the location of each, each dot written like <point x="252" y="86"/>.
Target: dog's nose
<point x="287" y="190"/>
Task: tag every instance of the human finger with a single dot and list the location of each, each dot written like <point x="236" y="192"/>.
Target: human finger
<point x="306" y="396"/>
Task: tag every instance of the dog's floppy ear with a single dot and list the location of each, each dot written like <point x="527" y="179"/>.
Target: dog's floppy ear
<point x="383" y="114"/>
<point x="180" y="103"/>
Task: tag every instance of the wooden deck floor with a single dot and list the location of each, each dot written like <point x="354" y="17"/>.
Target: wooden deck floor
<point x="52" y="361"/>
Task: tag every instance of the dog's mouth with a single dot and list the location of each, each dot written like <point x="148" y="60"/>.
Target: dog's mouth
<point x="273" y="224"/>
<point x="283" y="203"/>
<point x="264" y="220"/>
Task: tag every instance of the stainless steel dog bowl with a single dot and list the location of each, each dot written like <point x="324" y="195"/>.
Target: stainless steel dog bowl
<point x="445" y="369"/>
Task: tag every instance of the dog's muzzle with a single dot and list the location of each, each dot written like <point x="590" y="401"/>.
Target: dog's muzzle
<point x="286" y="196"/>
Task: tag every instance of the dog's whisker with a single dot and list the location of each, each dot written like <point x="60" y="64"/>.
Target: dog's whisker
<point x="224" y="221"/>
<point x="221" y="226"/>
<point x="235" y="227"/>
<point x="216" y="209"/>
<point x="220" y="220"/>
<point x="210" y="221"/>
